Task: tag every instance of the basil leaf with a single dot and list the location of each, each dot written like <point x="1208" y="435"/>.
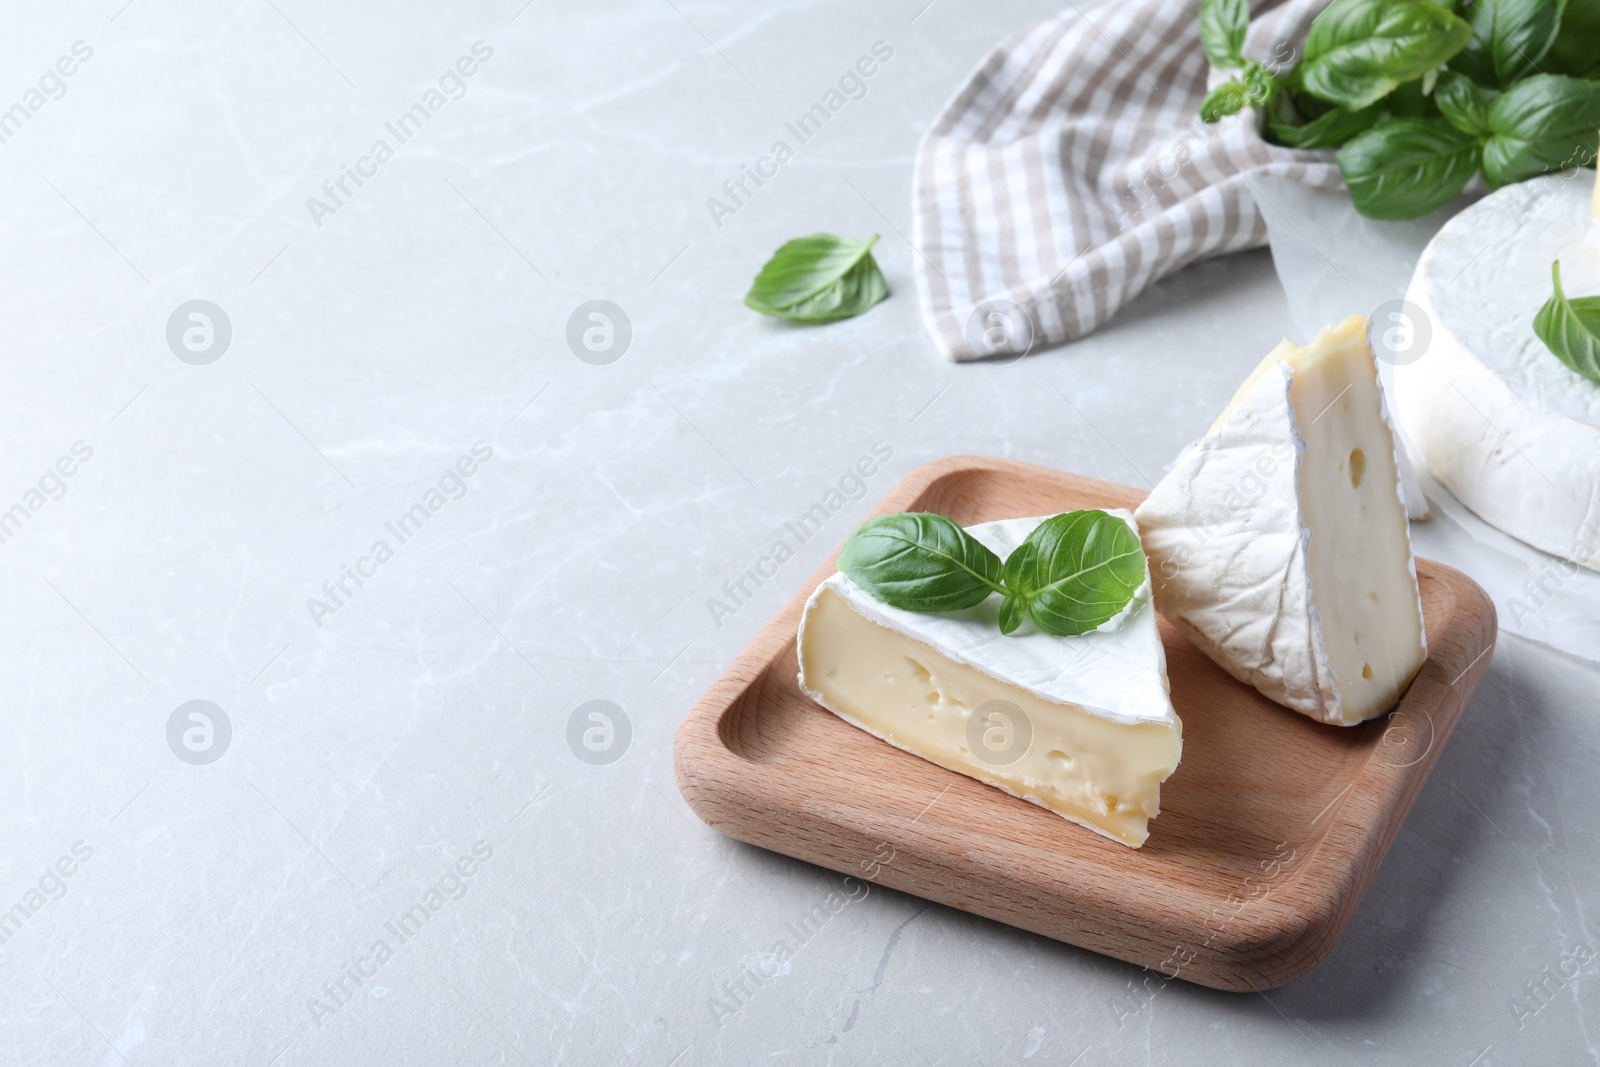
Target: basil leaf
<point x="1509" y="37"/>
<point x="1076" y="571"/>
<point x="920" y="561"/>
<point x="821" y="278"/>
<point x="1328" y="130"/>
<point x="1358" y="51"/>
<point x="1013" y="611"/>
<point x="1464" y="104"/>
<point x="1255" y="87"/>
<point x="1543" y="123"/>
<point x="1408" y="101"/>
<point x="1223" y="24"/>
<point x="1404" y="168"/>
<point x="1574" y="51"/>
<point x="1226" y="99"/>
<point x="1571" y="328"/>
<point x="1260" y="87"/>
<point x="1014" y="608"/>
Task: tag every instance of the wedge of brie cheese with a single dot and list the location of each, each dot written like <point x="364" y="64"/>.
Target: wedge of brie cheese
<point x="1083" y="726"/>
<point x="1502" y="423"/>
<point x="1279" y="544"/>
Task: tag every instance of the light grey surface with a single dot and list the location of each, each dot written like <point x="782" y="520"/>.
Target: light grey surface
<point x="430" y="711"/>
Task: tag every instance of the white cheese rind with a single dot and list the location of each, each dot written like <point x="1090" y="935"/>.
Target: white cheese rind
<point x="1500" y="421"/>
<point x="1227" y="547"/>
<point x="1097" y="733"/>
<point x="1279" y="543"/>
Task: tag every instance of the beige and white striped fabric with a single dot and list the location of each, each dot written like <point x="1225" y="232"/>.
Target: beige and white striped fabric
<point x="1072" y="170"/>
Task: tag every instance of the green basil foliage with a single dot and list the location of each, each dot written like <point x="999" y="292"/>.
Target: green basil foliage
<point x="1574" y="52"/>
<point x="1408" y="167"/>
<point x="1464" y="104"/>
<point x="1330" y="129"/>
<point x="1571" y="328"/>
<point x="1543" y="123"/>
<point x="1226" y="99"/>
<point x="1360" y="51"/>
<point x="1223" y="24"/>
<point x="1418" y="96"/>
<point x="821" y="278"/>
<point x="1254" y="87"/>
<point x="920" y="561"/>
<point x="1073" y="574"/>
<point x="1508" y="39"/>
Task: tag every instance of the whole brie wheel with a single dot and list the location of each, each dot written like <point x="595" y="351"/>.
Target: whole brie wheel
<point x="1498" y="419"/>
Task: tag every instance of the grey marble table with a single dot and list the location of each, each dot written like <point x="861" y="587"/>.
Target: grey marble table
<point x="369" y="507"/>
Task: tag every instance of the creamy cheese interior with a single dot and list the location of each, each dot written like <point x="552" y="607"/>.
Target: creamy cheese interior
<point x="1363" y="581"/>
<point x="1091" y="767"/>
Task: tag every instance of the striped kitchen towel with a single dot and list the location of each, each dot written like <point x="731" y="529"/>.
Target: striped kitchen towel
<point x="1072" y="170"/>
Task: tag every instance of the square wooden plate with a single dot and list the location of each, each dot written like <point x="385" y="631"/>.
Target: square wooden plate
<point x="1269" y="832"/>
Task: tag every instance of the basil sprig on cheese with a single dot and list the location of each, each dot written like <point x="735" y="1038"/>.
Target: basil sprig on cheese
<point x="1571" y="328"/>
<point x="1074" y="573"/>
<point x="1417" y="98"/>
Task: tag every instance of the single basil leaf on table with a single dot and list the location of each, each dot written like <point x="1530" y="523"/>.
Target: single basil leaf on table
<point x="1359" y="51"/>
<point x="1571" y="328"/>
<point x="1464" y="104"/>
<point x="1076" y="572"/>
<point x="821" y="278"/>
<point x="1574" y="50"/>
<point x="1223" y="24"/>
<point x="920" y="561"/>
<point x="1405" y="168"/>
<point x="1509" y="38"/>
<point x="1543" y="123"/>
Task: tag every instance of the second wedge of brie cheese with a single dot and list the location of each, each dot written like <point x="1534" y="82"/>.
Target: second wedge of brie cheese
<point x="1279" y="542"/>
<point x="1083" y="726"/>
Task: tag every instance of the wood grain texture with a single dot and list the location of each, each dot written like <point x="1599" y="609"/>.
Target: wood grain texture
<point x="1270" y="830"/>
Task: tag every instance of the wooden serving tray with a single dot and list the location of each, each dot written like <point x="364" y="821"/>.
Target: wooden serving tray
<point x="1269" y="832"/>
